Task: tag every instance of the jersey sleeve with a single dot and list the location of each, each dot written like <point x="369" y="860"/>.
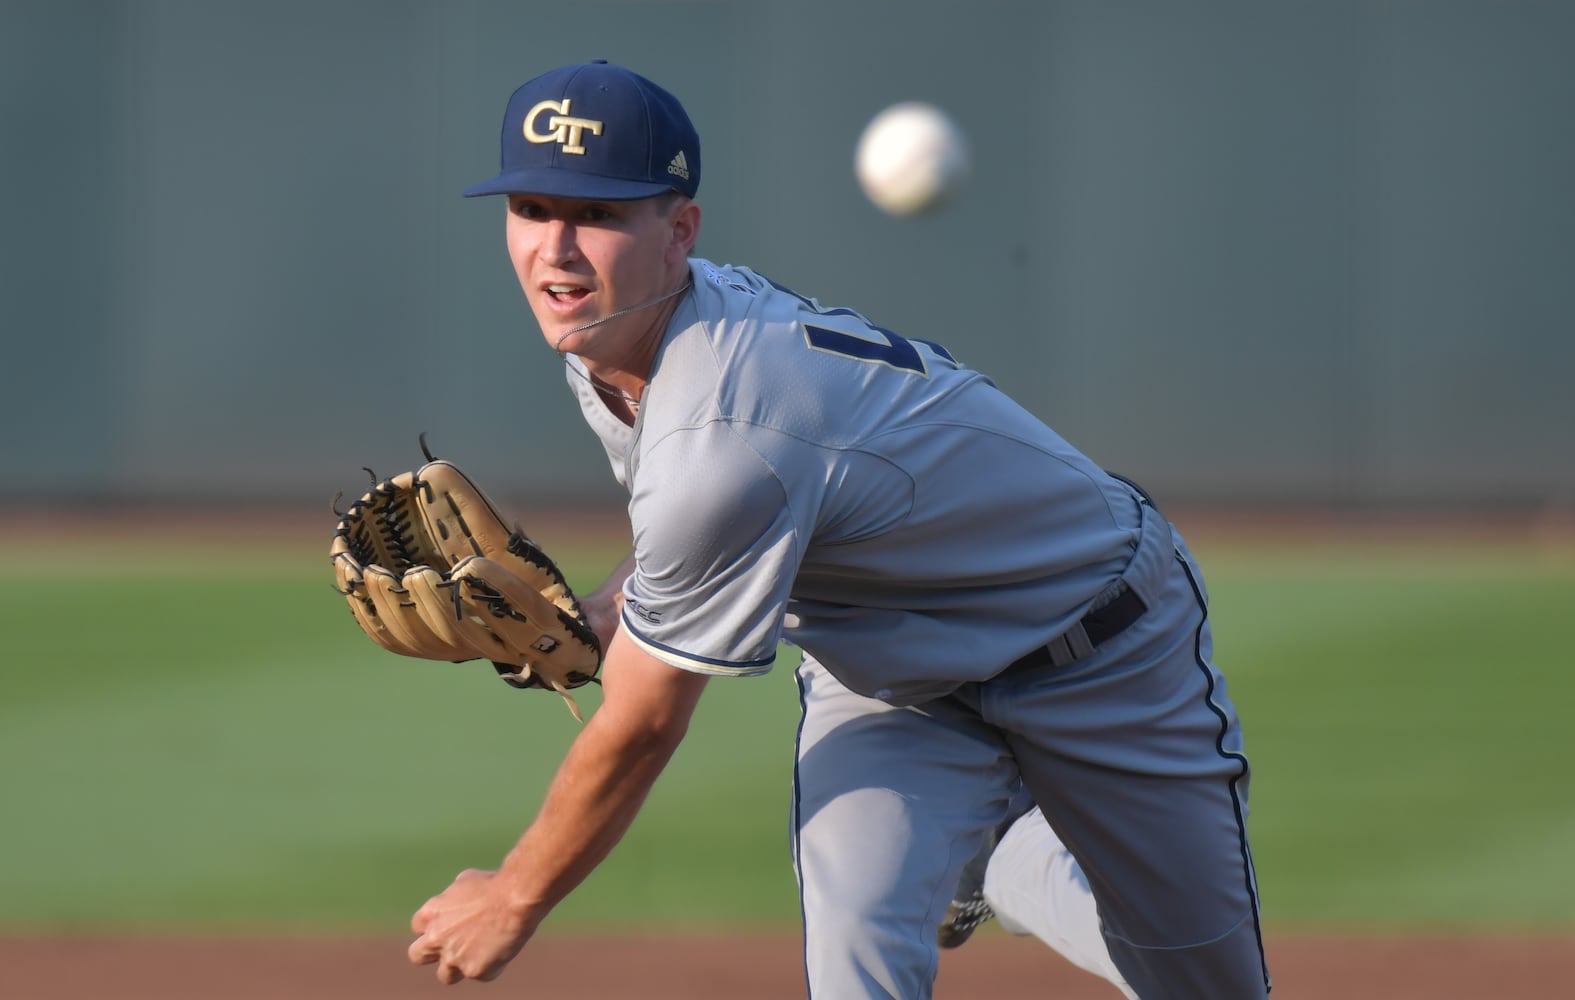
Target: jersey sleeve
<point x="716" y="551"/>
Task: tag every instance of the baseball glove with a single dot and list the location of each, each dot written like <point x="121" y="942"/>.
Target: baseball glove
<point x="431" y="570"/>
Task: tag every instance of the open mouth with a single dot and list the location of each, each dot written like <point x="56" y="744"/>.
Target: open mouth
<point x="567" y="294"/>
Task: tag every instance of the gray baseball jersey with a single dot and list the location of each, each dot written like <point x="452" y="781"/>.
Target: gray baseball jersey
<point x="798" y="473"/>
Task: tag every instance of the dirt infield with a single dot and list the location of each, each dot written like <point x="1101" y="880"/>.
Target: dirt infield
<point x="993" y="967"/>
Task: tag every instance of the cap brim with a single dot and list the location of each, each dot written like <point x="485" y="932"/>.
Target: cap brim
<point x="567" y="184"/>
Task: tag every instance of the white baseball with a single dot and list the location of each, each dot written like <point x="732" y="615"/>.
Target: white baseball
<point x="911" y="158"/>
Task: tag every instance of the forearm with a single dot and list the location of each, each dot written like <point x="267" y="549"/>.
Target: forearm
<point x="590" y="805"/>
<point x="603" y="781"/>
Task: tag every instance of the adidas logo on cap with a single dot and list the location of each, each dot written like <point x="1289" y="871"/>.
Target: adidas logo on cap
<point x="680" y="166"/>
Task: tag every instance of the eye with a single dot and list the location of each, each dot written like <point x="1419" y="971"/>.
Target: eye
<point x="596" y="213"/>
<point x="525" y="208"/>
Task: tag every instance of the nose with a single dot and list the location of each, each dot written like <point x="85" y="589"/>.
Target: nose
<point x="558" y="245"/>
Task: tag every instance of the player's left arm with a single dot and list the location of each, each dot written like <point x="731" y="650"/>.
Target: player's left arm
<point x="480" y="922"/>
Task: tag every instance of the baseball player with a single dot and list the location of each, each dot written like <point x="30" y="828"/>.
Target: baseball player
<point x="980" y="607"/>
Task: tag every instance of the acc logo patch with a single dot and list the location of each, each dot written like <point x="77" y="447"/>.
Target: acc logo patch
<point x="646" y="614"/>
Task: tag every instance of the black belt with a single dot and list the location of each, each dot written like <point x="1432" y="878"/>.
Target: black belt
<point x="1109" y="620"/>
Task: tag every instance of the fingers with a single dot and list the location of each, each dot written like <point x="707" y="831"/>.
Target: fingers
<point x="423" y="951"/>
<point x="422" y="918"/>
<point x="448" y="971"/>
<point x="448" y="974"/>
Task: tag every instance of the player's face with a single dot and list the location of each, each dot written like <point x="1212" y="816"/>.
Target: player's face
<point x="581" y="261"/>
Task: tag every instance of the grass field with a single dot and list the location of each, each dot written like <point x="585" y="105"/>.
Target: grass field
<point x="200" y="736"/>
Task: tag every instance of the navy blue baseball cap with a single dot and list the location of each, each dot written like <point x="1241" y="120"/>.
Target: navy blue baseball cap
<point x="598" y="132"/>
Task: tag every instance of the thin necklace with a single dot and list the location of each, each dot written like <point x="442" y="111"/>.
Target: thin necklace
<point x="622" y="312"/>
<point x="592" y="380"/>
<point x="612" y="390"/>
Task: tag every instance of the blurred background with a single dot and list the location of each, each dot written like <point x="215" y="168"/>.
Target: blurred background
<point x="1284" y="252"/>
<point x="1304" y="269"/>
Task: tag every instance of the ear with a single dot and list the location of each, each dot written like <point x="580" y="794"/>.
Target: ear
<point x="685" y="222"/>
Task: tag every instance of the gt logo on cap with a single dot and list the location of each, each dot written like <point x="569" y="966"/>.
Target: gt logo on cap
<point x="565" y="130"/>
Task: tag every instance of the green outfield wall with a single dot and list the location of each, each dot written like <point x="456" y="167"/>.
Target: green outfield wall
<point x="1264" y="252"/>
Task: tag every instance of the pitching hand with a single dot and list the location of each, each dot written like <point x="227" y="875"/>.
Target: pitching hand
<point x="467" y="931"/>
